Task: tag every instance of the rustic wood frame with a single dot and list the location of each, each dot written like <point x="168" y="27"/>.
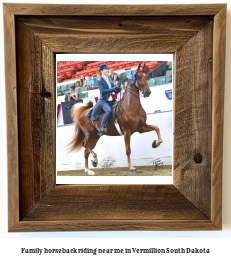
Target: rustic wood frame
<point x="33" y="34"/>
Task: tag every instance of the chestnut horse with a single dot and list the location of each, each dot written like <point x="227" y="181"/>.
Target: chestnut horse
<point x="130" y="115"/>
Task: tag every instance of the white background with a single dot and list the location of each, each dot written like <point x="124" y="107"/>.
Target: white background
<point x="218" y="242"/>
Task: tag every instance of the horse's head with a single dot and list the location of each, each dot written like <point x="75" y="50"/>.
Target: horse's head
<point x="141" y="80"/>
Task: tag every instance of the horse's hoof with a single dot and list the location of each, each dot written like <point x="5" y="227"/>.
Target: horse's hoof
<point x="94" y="164"/>
<point x="89" y="172"/>
<point x="133" y="171"/>
<point x="154" y="144"/>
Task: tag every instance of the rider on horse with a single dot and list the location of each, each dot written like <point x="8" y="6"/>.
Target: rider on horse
<point x="105" y="100"/>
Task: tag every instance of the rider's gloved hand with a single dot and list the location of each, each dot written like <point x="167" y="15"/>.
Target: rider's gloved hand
<point x="107" y="91"/>
<point x="117" y="89"/>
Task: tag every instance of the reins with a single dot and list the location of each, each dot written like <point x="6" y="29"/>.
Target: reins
<point x="120" y="105"/>
<point x="132" y="89"/>
<point x="129" y="90"/>
<point x="120" y="101"/>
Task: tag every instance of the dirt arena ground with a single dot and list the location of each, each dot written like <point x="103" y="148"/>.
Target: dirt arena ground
<point x="141" y="171"/>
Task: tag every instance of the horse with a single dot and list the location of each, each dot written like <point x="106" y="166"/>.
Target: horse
<point x="131" y="118"/>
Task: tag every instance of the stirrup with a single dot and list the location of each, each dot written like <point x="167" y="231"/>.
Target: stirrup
<point x="102" y="131"/>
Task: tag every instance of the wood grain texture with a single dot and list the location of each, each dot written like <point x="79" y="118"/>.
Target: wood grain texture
<point x="111" y="207"/>
<point x="193" y="113"/>
<point x="36" y="105"/>
<point x="114" y="225"/>
<point x="12" y="121"/>
<point x="218" y="114"/>
<point x="108" y="202"/>
<point x="114" y="34"/>
<point x="117" y="10"/>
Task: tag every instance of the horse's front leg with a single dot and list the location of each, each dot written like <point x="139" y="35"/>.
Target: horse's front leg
<point x="147" y="128"/>
<point x="127" y="138"/>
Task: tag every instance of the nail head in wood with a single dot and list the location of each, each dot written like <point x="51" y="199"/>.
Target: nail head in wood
<point x="198" y="158"/>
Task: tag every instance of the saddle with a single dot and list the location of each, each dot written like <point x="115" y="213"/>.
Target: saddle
<point x="112" y="117"/>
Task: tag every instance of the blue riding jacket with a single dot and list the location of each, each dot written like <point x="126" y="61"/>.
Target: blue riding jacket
<point x="105" y="93"/>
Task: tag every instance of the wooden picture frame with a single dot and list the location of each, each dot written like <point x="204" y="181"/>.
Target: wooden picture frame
<point x="34" y="33"/>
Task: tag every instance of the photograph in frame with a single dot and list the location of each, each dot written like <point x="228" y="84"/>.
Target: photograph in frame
<point x="81" y="83"/>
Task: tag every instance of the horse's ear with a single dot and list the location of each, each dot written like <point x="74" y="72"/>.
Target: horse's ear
<point x="139" y="67"/>
<point x="145" y="68"/>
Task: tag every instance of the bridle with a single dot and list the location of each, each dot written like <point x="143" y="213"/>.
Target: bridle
<point x="140" y="77"/>
<point x="139" y="88"/>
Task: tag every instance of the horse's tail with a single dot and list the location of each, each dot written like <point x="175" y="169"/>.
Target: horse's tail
<point x="77" y="140"/>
